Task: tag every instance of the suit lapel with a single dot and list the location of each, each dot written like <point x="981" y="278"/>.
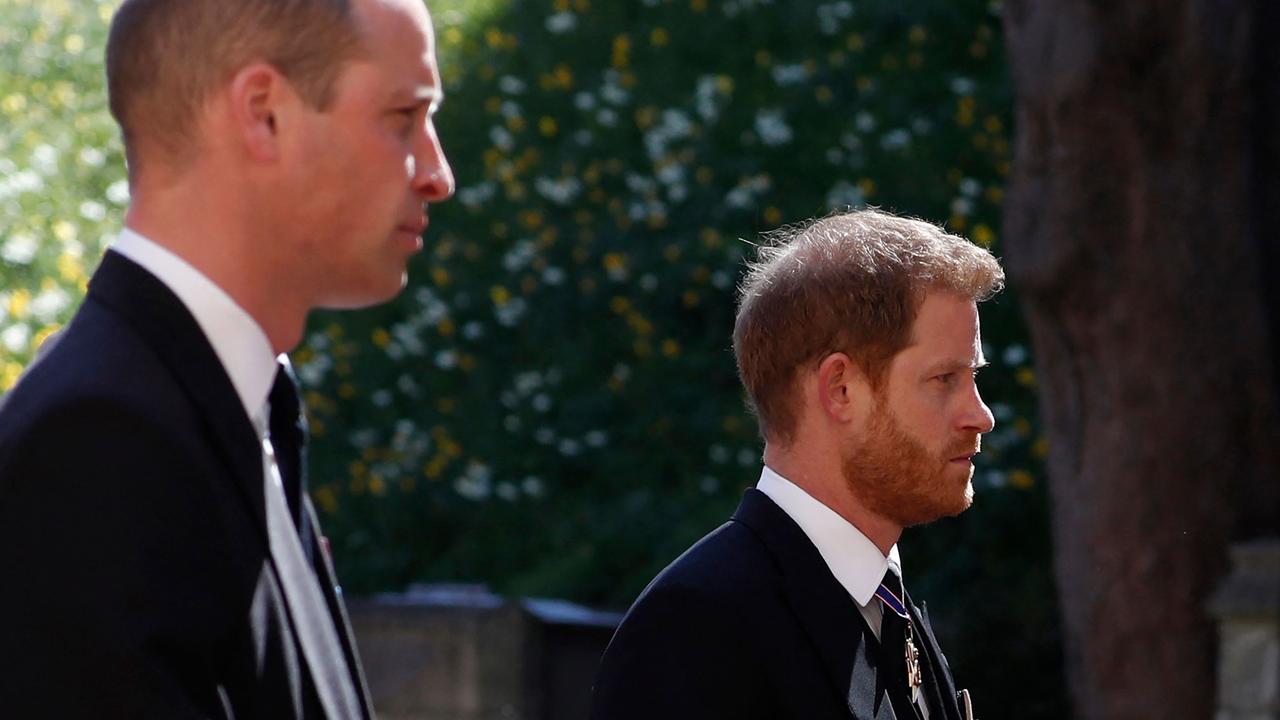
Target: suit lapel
<point x="824" y="609"/>
<point x="164" y="323"/>
<point x="337" y="608"/>
<point x="937" y="667"/>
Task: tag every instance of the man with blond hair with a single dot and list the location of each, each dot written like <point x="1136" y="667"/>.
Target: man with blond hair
<point x="857" y="340"/>
<point x="162" y="557"/>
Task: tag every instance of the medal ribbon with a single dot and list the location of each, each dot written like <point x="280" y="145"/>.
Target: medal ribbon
<point x="892" y="602"/>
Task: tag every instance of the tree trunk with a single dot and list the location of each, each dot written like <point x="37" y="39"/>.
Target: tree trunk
<point x="1139" y="223"/>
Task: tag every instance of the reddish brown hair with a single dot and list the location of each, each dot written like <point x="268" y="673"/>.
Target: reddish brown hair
<point x="850" y="282"/>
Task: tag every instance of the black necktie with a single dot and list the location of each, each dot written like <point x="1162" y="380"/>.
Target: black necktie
<point x="288" y="429"/>
<point x="893" y="643"/>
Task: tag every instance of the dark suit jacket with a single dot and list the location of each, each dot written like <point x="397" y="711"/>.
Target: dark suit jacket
<point x="750" y="623"/>
<point x="133" y="545"/>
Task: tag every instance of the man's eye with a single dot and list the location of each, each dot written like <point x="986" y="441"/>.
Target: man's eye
<point x="945" y="378"/>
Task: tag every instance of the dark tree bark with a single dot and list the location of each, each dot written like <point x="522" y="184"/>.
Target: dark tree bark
<point x="1140" y="229"/>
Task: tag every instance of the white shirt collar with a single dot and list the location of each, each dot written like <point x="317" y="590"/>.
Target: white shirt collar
<point x="854" y="560"/>
<point x="239" y="342"/>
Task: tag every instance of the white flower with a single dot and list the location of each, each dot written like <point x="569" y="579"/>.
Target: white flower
<point x="502" y="138"/>
<point x="864" y="121"/>
<point x="92" y="210"/>
<point x="511" y="85"/>
<point x="1015" y="355"/>
<point x="963" y="86"/>
<point x="446" y="359"/>
<point x="553" y="275"/>
<point x="845" y="194"/>
<point x="584" y="101"/>
<point x="19" y="249"/>
<point x="970" y="187"/>
<point x="15" y="337"/>
<point x="46" y="306"/>
<point x="93" y="157"/>
<point x="532" y="486"/>
<point x="961" y="206"/>
<point x="477" y="195"/>
<point x="772" y="127"/>
<point x="561" y="22"/>
<point x="45" y="159"/>
<point x="541" y="402"/>
<point x="118" y="192"/>
<point x="508" y="491"/>
<point x="793" y="74"/>
<point x="896" y="139"/>
<point x="473" y="330"/>
<point x="560" y="192"/>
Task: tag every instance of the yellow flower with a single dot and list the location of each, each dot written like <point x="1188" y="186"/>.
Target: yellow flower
<point x="377" y="485"/>
<point x="500" y="295"/>
<point x="327" y="499"/>
<point x="659" y="37"/>
<point x="1021" y="479"/>
<point x="547" y="126"/>
<point x="531" y="219"/>
<point x="670" y="348"/>
<point x="772" y="215"/>
<point x="615" y="261"/>
<point x="983" y="235"/>
<point x="381" y="338"/>
<point x="13" y="103"/>
<point x="19" y="301"/>
<point x="9" y="374"/>
<point x="621" y="51"/>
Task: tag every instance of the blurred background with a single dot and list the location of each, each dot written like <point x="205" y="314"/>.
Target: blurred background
<point x="550" y="411"/>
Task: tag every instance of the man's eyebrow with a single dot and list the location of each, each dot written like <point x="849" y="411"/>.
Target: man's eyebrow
<point x="953" y="365"/>
<point x="421" y="95"/>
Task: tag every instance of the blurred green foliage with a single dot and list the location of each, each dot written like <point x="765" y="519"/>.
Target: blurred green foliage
<point x="551" y="407"/>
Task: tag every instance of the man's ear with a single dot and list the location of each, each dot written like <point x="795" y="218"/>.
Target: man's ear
<point x="843" y="390"/>
<point x="257" y="95"/>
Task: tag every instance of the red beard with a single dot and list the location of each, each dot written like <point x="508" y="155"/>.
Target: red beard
<point x="897" y="478"/>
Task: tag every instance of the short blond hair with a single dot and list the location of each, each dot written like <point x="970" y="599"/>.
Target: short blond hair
<point x="851" y="282"/>
<point x="165" y="57"/>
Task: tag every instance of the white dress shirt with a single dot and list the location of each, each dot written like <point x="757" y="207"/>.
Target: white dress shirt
<point x="853" y="559"/>
<point x="239" y="342"/>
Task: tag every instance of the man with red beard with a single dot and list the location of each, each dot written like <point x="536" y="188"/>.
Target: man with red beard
<point x="857" y="340"/>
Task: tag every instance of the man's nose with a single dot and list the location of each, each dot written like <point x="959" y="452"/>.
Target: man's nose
<point x="432" y="176"/>
<point x="978" y="417"/>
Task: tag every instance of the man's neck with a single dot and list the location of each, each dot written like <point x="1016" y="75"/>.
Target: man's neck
<point x="206" y="237"/>
<point x="817" y="471"/>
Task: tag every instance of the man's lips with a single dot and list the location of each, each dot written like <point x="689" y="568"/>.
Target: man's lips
<point x="414" y="227"/>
